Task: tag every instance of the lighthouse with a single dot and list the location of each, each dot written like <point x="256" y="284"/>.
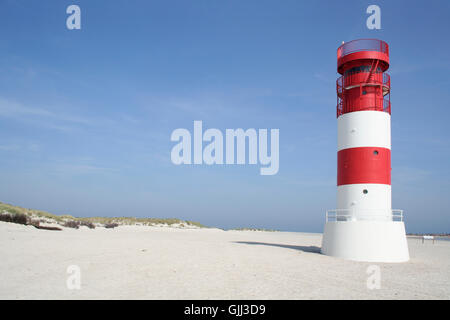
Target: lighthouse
<point x="364" y="227"/>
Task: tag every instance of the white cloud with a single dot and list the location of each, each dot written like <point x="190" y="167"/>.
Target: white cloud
<point x="48" y="118"/>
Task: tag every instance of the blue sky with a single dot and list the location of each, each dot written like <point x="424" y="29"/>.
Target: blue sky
<point x="86" y="115"/>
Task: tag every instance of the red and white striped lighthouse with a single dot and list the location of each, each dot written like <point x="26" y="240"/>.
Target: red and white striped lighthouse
<point x="364" y="227"/>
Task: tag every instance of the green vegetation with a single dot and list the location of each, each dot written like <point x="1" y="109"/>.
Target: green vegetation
<point x="91" y="221"/>
<point x="7" y="208"/>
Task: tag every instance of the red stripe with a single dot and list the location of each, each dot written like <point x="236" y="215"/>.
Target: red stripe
<point x="364" y="165"/>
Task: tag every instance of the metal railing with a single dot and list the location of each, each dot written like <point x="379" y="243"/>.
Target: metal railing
<point x="362" y="45"/>
<point x="364" y="215"/>
<point x="350" y="81"/>
<point x="375" y="106"/>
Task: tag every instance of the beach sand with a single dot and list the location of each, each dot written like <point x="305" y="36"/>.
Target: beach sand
<point x="137" y="262"/>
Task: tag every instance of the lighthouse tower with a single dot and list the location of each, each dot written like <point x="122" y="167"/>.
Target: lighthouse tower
<point x="364" y="227"/>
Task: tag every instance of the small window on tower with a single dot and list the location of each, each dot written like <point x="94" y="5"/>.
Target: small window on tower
<point x="364" y="92"/>
<point x="365" y="191"/>
<point x="375" y="152"/>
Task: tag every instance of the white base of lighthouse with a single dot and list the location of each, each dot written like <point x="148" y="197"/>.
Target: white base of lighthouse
<point x="370" y="241"/>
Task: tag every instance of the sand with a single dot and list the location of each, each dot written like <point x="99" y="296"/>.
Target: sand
<point x="137" y="262"/>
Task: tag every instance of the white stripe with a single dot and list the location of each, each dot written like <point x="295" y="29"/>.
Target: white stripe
<point x="375" y="201"/>
<point x="364" y="129"/>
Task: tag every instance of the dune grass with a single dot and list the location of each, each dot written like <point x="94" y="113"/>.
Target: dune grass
<point x="90" y="222"/>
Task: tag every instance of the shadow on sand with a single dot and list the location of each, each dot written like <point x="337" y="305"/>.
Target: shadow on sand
<point x="312" y="249"/>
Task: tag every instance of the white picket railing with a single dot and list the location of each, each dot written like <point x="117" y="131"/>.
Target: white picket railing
<point x="364" y="215"/>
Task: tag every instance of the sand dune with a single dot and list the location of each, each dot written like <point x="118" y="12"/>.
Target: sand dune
<point x="136" y="262"/>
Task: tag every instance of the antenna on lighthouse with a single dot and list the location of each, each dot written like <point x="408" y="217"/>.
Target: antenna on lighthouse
<point x="364" y="227"/>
